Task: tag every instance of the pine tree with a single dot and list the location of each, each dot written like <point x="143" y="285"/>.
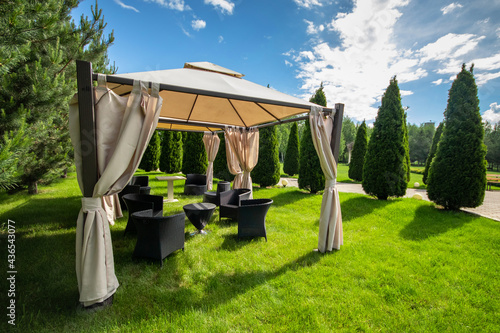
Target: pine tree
<point x="358" y="153"/>
<point x="432" y="152"/>
<point x="292" y="157"/>
<point x="221" y="170"/>
<point x="151" y="159"/>
<point x="171" y="152"/>
<point x="406" y="144"/>
<point x="194" y="154"/>
<point x="310" y="173"/>
<point x="267" y="170"/>
<point x="457" y="175"/>
<point x="385" y="172"/>
<point x="38" y="47"/>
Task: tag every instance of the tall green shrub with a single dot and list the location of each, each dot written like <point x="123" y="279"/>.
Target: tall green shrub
<point x="311" y="176"/>
<point x="267" y="170"/>
<point x="358" y="153"/>
<point x="221" y="170"/>
<point x="194" y="154"/>
<point x="432" y="151"/>
<point x="151" y="159"/>
<point x="385" y="171"/>
<point x="171" y="152"/>
<point x="291" y="163"/>
<point x="457" y="175"/>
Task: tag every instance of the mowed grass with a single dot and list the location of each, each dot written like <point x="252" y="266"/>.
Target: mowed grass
<point x="405" y="266"/>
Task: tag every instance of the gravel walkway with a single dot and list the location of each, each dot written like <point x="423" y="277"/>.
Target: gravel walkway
<point x="490" y="207"/>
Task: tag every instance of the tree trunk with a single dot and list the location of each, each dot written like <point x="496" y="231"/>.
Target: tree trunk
<point x="33" y="188"/>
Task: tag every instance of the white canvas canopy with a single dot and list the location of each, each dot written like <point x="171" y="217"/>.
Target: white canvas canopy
<point x="207" y="97"/>
<point x="111" y="124"/>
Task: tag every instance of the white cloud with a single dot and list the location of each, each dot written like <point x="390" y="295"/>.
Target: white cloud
<point x="358" y="71"/>
<point x="288" y="63"/>
<point x="313" y="30"/>
<point x="451" y="7"/>
<point x="438" y="82"/>
<point x="493" y="114"/>
<point x="221" y="39"/>
<point x="225" y="6"/>
<point x="498" y="32"/>
<point x="308" y="3"/>
<point x="198" y="24"/>
<point x="450" y="46"/>
<point x="121" y="4"/>
<point x="172" y="4"/>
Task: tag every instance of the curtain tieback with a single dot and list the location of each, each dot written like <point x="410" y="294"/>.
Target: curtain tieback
<point x="91" y="204"/>
<point x="330" y="183"/>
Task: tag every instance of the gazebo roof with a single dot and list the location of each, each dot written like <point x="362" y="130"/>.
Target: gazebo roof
<point x="204" y="96"/>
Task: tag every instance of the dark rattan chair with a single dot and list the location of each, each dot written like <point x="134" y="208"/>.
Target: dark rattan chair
<point x="252" y="217"/>
<point x="195" y="184"/>
<point x="138" y="202"/>
<point x="230" y="201"/>
<point x="214" y="197"/>
<point x="143" y="182"/>
<point x="128" y="189"/>
<point x="158" y="236"/>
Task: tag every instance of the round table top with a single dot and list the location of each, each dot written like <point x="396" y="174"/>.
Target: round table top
<point x="199" y="206"/>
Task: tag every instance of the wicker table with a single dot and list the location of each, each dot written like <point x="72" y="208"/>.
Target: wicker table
<point x="170" y="184"/>
<point x="199" y="214"/>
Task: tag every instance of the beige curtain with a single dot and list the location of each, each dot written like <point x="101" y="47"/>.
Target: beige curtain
<point x="245" y="146"/>
<point x="233" y="165"/>
<point x="123" y="129"/>
<point x="330" y="221"/>
<point x="211" y="141"/>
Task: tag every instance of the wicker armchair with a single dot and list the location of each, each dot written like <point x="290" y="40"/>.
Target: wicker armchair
<point x="252" y="217"/>
<point x="138" y="202"/>
<point x="230" y="201"/>
<point x="128" y="189"/>
<point x="143" y="182"/>
<point x="195" y="184"/>
<point x="158" y="236"/>
<point x="214" y="197"/>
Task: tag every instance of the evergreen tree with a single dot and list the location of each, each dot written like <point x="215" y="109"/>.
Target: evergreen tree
<point x="38" y="46"/>
<point x="194" y="154"/>
<point x="492" y="142"/>
<point x="457" y="175"/>
<point x="310" y="174"/>
<point x="432" y="151"/>
<point x="291" y="164"/>
<point x="221" y="170"/>
<point x="171" y="152"/>
<point x="385" y="172"/>
<point x="151" y="159"/>
<point x="358" y="153"/>
<point x="267" y="170"/>
<point x="406" y="145"/>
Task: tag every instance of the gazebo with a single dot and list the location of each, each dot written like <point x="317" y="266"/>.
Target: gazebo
<point x="111" y="124"/>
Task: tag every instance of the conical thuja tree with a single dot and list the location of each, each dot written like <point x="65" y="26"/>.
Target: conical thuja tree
<point x="457" y="175"/>
<point x="358" y="153"/>
<point x="311" y="176"/>
<point x="171" y="152"/>
<point x="291" y="163"/>
<point x="151" y="159"/>
<point x="385" y="169"/>
<point x="432" y="151"/>
<point x="194" y="154"/>
<point x="267" y="170"/>
<point x="221" y="170"/>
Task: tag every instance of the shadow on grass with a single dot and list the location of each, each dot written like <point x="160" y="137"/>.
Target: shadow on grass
<point x="289" y="197"/>
<point x="220" y="288"/>
<point x="430" y="221"/>
<point x="362" y="205"/>
<point x="45" y="213"/>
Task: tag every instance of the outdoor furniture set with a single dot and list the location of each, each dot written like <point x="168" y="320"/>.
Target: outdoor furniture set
<point x="158" y="235"/>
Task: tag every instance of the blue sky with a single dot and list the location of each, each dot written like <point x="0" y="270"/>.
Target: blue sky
<point x="353" y="47"/>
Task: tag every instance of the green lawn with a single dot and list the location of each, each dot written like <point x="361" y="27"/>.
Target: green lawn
<point x="405" y="266"/>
